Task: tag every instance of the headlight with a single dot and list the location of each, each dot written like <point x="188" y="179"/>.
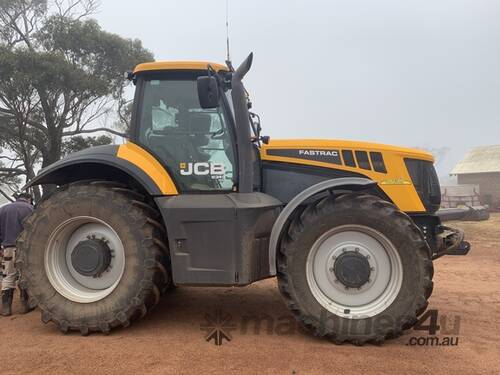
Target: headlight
<point x="426" y="182"/>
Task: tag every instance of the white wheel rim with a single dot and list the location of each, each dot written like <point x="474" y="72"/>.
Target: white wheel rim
<point x="60" y="271"/>
<point x="386" y="275"/>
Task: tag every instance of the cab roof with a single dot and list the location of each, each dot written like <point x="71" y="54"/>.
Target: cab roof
<point x="178" y="65"/>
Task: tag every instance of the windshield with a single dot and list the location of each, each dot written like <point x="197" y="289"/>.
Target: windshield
<point x="195" y="143"/>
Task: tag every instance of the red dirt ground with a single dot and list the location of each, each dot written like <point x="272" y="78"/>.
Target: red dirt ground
<point x="169" y="339"/>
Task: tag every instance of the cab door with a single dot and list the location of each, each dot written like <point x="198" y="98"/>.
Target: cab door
<point x="194" y="144"/>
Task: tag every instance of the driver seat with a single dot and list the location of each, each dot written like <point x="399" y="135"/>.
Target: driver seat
<point x="199" y="128"/>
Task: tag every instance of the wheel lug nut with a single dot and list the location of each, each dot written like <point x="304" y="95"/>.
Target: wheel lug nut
<point x="372" y="268"/>
<point x="356" y="249"/>
<point x="367" y="257"/>
<point x="331" y="269"/>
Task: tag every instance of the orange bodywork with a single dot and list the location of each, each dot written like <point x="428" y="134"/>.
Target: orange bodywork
<point x="178" y="65"/>
<point x="147" y="163"/>
<point x="396" y="183"/>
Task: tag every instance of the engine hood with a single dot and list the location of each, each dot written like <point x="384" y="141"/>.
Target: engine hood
<point x="313" y="145"/>
<point x="384" y="164"/>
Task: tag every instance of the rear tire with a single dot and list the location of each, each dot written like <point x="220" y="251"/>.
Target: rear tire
<point x="329" y="239"/>
<point x="130" y="280"/>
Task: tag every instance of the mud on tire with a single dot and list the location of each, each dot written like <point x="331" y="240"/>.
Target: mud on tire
<point x="365" y="210"/>
<point x="145" y="273"/>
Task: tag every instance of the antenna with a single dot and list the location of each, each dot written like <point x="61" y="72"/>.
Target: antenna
<point x="228" y="57"/>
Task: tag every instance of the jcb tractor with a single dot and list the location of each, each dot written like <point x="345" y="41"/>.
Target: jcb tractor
<point x="198" y="197"/>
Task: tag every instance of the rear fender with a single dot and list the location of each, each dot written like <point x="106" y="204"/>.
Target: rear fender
<point x="110" y="162"/>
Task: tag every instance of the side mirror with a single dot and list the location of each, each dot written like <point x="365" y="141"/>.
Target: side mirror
<point x="208" y="92"/>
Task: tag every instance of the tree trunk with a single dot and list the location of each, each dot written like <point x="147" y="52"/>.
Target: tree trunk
<point x="52" y="155"/>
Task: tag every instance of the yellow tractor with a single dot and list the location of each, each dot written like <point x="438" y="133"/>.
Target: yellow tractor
<point x="198" y="197"/>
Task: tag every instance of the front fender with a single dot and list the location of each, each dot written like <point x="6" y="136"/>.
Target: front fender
<point x="348" y="183"/>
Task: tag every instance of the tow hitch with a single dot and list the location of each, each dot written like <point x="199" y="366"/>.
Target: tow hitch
<point x="451" y="242"/>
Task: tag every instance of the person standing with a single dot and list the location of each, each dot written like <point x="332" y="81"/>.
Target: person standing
<point x="12" y="216"/>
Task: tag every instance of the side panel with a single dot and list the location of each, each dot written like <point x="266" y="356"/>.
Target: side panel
<point x="395" y="181"/>
<point x="287" y="180"/>
<point x="219" y="239"/>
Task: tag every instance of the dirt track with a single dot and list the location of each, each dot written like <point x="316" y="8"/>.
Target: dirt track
<point x="170" y="340"/>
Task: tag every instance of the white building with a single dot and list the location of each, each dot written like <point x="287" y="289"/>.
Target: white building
<point x="481" y="167"/>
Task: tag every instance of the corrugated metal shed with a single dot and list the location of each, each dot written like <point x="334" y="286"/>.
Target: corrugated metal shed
<point x="484" y="159"/>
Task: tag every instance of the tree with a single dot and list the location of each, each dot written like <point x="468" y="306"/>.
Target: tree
<point x="14" y="165"/>
<point x="78" y="143"/>
<point x="61" y="74"/>
<point x="9" y="177"/>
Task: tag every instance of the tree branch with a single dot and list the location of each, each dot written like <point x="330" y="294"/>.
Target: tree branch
<point x="22" y="35"/>
<point x="9" y="158"/>
<point x="10" y="115"/>
<point x="13" y="171"/>
<point x="69" y="134"/>
<point x="6" y="195"/>
<point x="67" y="8"/>
<point x="39" y="143"/>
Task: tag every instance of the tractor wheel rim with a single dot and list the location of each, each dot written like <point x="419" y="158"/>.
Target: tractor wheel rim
<point x="64" y="273"/>
<point x="354" y="271"/>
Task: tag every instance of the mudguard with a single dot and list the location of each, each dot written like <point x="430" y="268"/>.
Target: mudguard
<point x="107" y="162"/>
<point x="348" y="183"/>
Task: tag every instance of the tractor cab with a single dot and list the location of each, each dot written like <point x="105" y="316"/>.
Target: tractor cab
<point x="185" y="118"/>
<point x="193" y="118"/>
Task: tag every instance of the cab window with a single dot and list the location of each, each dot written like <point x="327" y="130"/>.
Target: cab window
<point x="194" y="143"/>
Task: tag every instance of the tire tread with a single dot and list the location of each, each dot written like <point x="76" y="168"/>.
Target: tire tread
<point x="328" y="206"/>
<point x="156" y="278"/>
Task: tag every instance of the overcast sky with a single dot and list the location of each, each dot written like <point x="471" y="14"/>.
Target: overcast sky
<point x="415" y="73"/>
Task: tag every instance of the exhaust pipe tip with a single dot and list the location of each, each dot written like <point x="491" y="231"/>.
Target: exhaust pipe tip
<point x="244" y="68"/>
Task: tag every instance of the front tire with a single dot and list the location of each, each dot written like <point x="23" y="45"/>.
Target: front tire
<point x="92" y="257"/>
<point x="355" y="268"/>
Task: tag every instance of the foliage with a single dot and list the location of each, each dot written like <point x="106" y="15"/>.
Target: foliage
<point x="79" y="143"/>
<point x="62" y="76"/>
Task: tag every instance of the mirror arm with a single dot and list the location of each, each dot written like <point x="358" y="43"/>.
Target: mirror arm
<point x="255" y="126"/>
